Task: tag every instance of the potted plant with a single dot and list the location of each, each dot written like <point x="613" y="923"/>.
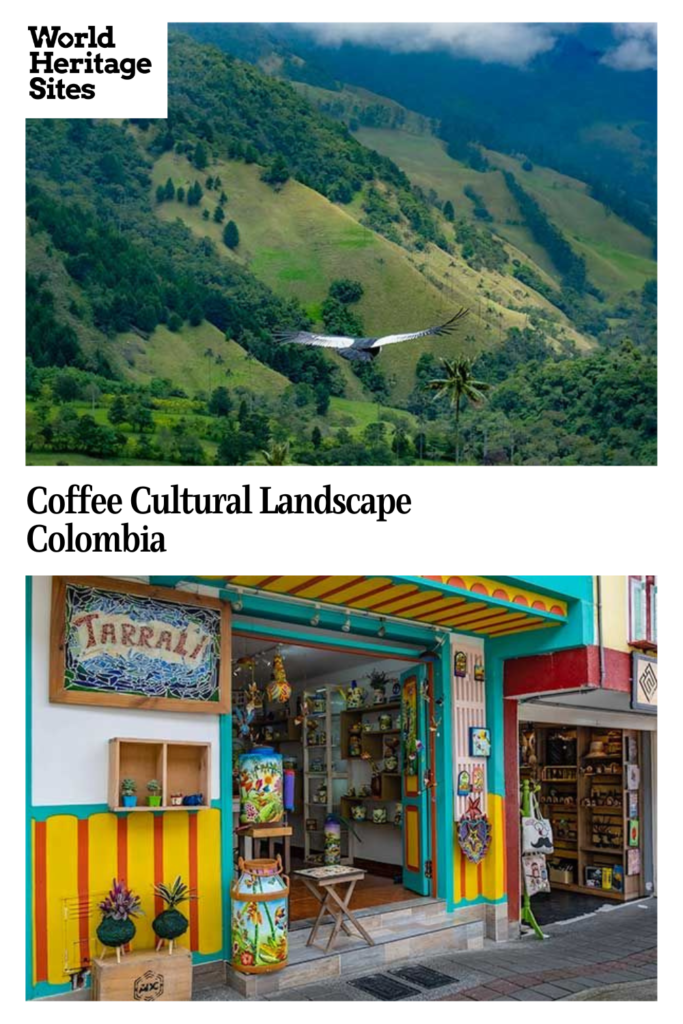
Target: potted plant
<point x="128" y="791"/>
<point x="118" y="908"/>
<point x="154" y="790"/>
<point x="170" y="924"/>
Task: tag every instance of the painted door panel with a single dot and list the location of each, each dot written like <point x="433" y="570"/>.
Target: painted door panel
<point x="415" y="795"/>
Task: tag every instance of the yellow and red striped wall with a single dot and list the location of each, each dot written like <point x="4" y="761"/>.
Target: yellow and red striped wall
<point x="74" y="860"/>
<point x="484" y="882"/>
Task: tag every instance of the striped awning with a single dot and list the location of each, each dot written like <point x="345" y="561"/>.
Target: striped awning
<point x="472" y="604"/>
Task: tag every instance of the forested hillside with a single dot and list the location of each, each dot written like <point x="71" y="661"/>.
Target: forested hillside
<point x="162" y="256"/>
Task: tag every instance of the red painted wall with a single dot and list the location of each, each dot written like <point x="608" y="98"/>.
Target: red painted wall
<point x="567" y="670"/>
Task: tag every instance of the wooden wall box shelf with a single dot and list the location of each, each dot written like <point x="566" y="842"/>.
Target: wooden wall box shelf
<point x="180" y="767"/>
<point x="143" y="976"/>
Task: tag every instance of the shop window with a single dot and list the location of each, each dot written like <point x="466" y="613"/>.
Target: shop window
<point x="643" y="611"/>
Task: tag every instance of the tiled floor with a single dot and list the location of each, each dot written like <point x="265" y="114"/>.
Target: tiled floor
<point x="613" y="951"/>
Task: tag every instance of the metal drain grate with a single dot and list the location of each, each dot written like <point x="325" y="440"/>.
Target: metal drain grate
<point x="381" y="986"/>
<point x="425" y="977"/>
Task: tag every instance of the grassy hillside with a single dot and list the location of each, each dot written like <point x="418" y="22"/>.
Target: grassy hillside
<point x="183" y="357"/>
<point x="298" y="242"/>
<point x="618" y="256"/>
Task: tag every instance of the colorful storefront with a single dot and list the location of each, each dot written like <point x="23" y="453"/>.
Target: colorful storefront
<point x="444" y="642"/>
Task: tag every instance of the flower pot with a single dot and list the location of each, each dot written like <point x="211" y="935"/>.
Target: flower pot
<point x="261" y="784"/>
<point x="154" y="801"/>
<point x="259" y="917"/>
<point x="115" y="933"/>
<point x="130" y="800"/>
<point x="170" y="924"/>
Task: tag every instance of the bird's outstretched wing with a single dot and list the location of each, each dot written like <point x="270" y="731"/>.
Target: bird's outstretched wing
<point x="447" y="328"/>
<point x="304" y="338"/>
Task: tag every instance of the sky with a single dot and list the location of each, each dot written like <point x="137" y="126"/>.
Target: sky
<point x="634" y="46"/>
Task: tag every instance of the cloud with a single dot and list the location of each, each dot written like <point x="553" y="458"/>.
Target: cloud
<point x="515" y="44"/>
<point x="637" y="50"/>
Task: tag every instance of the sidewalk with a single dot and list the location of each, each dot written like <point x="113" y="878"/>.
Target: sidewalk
<point x="609" y="955"/>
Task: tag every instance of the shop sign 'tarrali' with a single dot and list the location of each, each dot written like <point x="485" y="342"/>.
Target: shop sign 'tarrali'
<point x="644" y="695"/>
<point x="132" y="645"/>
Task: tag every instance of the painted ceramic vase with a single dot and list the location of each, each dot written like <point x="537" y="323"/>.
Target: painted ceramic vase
<point x="359" y="812"/>
<point x="379" y="695"/>
<point x="332" y="842"/>
<point x="398" y="815"/>
<point x="385" y="723"/>
<point x="261" y="799"/>
<point x="260" y="897"/>
<point x="391" y="764"/>
<point x="355" y="747"/>
<point x="379" y="816"/>
<point x="355" y="697"/>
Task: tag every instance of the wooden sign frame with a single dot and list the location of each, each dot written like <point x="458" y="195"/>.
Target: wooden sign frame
<point x="61" y="695"/>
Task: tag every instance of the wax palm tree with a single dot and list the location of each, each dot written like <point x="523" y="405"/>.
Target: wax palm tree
<point x="276" y="454"/>
<point x="457" y="383"/>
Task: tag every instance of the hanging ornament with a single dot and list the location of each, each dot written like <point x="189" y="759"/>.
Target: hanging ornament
<point x="478" y="779"/>
<point x="278" y="690"/>
<point x="464" y="787"/>
<point x="474" y="832"/>
<point x="244" y="719"/>
<point x="254" y="698"/>
<point x="460" y="669"/>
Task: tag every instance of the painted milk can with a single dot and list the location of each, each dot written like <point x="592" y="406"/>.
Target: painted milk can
<point x="260" y="897"/>
<point x="261" y="798"/>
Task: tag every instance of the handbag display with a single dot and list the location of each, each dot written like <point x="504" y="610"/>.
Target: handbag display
<point x="535" y="871"/>
<point x="537" y="832"/>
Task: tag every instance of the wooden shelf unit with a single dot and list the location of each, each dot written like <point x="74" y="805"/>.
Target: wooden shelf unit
<point x="580" y="786"/>
<point x="180" y="767"/>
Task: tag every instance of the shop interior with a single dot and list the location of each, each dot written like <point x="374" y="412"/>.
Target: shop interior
<point x="335" y="718"/>
<point x="589" y="786"/>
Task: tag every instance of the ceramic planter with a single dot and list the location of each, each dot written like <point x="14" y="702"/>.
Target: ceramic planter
<point x="259" y="917"/>
<point x="154" y="800"/>
<point x="385" y="723"/>
<point x="379" y="816"/>
<point x="359" y="812"/>
<point x="130" y="800"/>
<point x="115" y="933"/>
<point x="261" y="787"/>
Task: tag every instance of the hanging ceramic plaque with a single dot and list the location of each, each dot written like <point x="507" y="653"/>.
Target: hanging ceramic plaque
<point x="460" y="669"/>
<point x="478" y="779"/>
<point x="479" y="672"/>
<point x="474" y="832"/>
<point x="464" y="783"/>
<point x="480" y="742"/>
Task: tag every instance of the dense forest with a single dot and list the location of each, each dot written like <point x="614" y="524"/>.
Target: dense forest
<point x="108" y="274"/>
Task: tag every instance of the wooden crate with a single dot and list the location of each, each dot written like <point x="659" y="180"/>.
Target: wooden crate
<point x="144" y="976"/>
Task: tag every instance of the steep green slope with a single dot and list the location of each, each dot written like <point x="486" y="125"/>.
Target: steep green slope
<point x="298" y="242"/>
<point x="198" y="359"/>
<point x="618" y="256"/>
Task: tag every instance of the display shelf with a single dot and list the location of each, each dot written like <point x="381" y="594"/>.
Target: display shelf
<point x="588" y="785"/>
<point x="180" y="768"/>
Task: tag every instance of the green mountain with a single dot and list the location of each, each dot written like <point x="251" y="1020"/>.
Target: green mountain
<point x="150" y="323"/>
